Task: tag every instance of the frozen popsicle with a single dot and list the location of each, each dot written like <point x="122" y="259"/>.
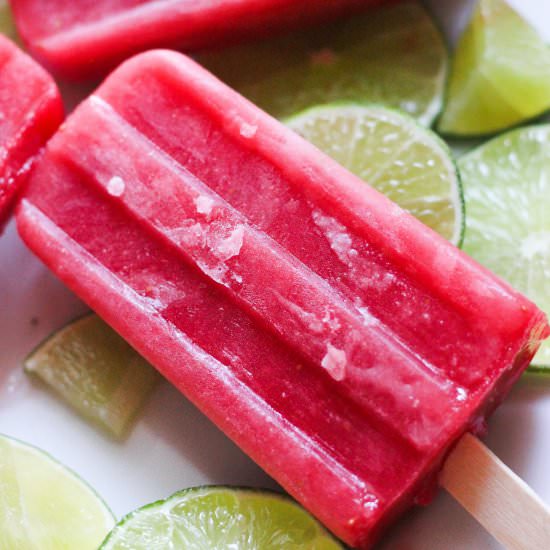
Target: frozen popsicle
<point x="341" y="343"/>
<point x="30" y="112"/>
<point x="79" y="38"/>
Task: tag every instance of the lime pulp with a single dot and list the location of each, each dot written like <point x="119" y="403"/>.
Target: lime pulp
<point x="500" y="75"/>
<point x="45" y="506"/>
<point x="507" y="193"/>
<point x="204" y="518"/>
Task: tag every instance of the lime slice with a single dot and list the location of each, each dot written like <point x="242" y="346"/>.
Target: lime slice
<point x="95" y="371"/>
<point x="393" y="55"/>
<point x="45" y="506"/>
<point x="507" y="191"/>
<point x="500" y="74"/>
<point x="394" y="154"/>
<point x="204" y="518"/>
<point x="7" y="26"/>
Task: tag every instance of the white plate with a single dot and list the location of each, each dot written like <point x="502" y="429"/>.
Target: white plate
<point x="173" y="446"/>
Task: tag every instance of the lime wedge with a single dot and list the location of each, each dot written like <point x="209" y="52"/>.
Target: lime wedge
<point x="394" y="154"/>
<point x="205" y="518"/>
<point x="507" y="192"/>
<point x="500" y="74"/>
<point x="45" y="506"/>
<point x="393" y="55"/>
<point x="95" y="371"/>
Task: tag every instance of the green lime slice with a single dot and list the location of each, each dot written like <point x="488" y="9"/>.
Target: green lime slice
<point x="44" y="505"/>
<point x="500" y="75"/>
<point x="204" y="518"/>
<point x="393" y="55"/>
<point x="394" y="154"/>
<point x="95" y="371"/>
<point x="507" y="192"/>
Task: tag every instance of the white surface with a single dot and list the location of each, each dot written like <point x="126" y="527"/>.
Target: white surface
<point x="174" y="446"/>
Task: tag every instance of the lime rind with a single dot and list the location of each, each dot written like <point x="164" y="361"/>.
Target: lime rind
<point x="500" y="74"/>
<point x="394" y="55"/>
<point x="221" y="517"/>
<point x="96" y="372"/>
<point x="507" y="193"/>
<point x="538" y="370"/>
<point x="393" y="153"/>
<point x="45" y="504"/>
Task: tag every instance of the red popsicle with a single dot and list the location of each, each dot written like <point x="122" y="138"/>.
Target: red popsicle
<point x="341" y="343"/>
<point x="30" y="112"/>
<point x="89" y="36"/>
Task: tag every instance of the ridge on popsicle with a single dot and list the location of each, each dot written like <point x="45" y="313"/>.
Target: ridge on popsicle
<point x="341" y="343"/>
<point x="31" y="111"/>
<point x="85" y="38"/>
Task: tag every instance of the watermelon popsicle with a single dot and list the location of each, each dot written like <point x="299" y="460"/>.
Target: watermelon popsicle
<point x="94" y="35"/>
<point x="341" y="343"/>
<point x="30" y="112"/>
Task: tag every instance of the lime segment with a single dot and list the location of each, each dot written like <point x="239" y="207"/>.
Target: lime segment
<point x="507" y="192"/>
<point x="394" y="154"/>
<point x="500" y="74"/>
<point x="96" y="372"/>
<point x="44" y="506"/>
<point x="204" y="518"/>
<point x="393" y="55"/>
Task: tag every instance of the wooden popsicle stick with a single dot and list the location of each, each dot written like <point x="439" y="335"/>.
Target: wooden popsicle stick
<point x="501" y="501"/>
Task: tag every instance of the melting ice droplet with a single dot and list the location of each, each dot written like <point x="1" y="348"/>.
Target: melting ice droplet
<point x="335" y="362"/>
<point x="336" y="234"/>
<point x="461" y="394"/>
<point x="116" y="186"/>
<point x="248" y="130"/>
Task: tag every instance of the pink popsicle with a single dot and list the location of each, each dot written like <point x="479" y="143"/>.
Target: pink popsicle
<point x="342" y="344"/>
<point x="30" y="112"/>
<point x="90" y="36"/>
